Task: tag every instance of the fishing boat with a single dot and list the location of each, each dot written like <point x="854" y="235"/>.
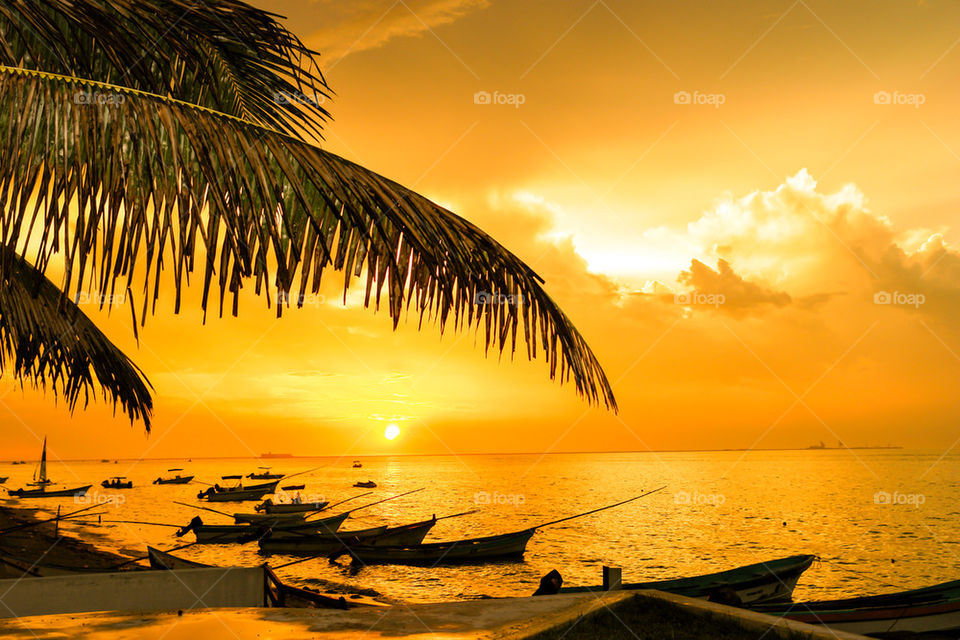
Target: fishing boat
<point x="177" y="479"/>
<point x="269" y="506"/>
<point x="323" y="544"/>
<point x="238" y="493"/>
<point x="256" y="518"/>
<point x="264" y="475"/>
<point x="369" y="484"/>
<point x="230" y="533"/>
<point x="772" y="581"/>
<point x="507" y="546"/>
<point x="357" y="464"/>
<point x="293" y="487"/>
<point x="117" y="482"/>
<point x="41" y="481"/>
<point x="930" y="610"/>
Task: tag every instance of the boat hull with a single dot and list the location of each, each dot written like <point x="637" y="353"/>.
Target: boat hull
<point x="771" y="581"/>
<point x="510" y="546"/>
<point x="286" y="543"/>
<point x="230" y="533"/>
<point x="933" y="609"/>
<point x="259" y="518"/>
<point x="246" y="494"/>
<point x="270" y="507"/>
<point x="183" y="480"/>
<point x="44" y="493"/>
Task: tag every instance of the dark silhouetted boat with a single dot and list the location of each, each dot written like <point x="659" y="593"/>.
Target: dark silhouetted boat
<point x="930" y="610"/>
<point x="369" y="484"/>
<point x="292" y="543"/>
<point x="117" y="482"/>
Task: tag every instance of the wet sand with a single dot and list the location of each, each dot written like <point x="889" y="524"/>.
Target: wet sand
<point x="43" y="550"/>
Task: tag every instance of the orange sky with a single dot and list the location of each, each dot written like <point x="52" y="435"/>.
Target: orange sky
<point x="794" y="202"/>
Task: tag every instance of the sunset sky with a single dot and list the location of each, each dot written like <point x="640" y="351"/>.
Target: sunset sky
<point x="717" y="193"/>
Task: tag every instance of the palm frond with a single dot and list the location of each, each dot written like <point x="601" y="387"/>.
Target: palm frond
<point x="53" y="345"/>
<point x="225" y="55"/>
<point x="154" y="179"/>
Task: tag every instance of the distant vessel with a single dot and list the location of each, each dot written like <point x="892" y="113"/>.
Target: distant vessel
<point x="276" y="455"/>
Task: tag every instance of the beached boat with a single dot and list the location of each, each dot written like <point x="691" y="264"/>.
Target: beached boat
<point x="292" y="544"/>
<point x="506" y="546"/>
<point x="117" y="482"/>
<point x="270" y="506"/>
<point x="238" y="493"/>
<point x="369" y="484"/>
<point x="930" y="610"/>
<point x="772" y="581"/>
<point x="230" y="533"/>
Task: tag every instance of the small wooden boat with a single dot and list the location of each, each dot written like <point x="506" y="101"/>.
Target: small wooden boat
<point x="369" y="484"/>
<point x="322" y="544"/>
<point x="238" y="493"/>
<point x="265" y="475"/>
<point x="257" y="518"/>
<point x="507" y="546"/>
<point x="772" y="581"/>
<point x="293" y="487"/>
<point x="43" y="492"/>
<point x="117" y="482"/>
<point x="290" y="507"/>
<point x="230" y="533"/>
<point x="930" y="610"/>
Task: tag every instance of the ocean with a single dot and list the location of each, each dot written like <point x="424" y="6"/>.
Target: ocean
<point x="880" y="520"/>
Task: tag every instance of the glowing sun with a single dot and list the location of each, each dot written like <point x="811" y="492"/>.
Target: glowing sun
<point x="391" y="432"/>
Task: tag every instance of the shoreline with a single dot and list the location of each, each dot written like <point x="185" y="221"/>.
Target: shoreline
<point x="43" y="545"/>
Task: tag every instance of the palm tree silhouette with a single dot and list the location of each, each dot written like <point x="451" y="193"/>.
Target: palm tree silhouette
<point x="147" y="136"/>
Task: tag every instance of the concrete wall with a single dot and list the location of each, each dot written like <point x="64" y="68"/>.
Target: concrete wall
<point x="133" y="591"/>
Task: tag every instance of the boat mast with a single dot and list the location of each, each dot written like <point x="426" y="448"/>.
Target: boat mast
<point x="43" y="464"/>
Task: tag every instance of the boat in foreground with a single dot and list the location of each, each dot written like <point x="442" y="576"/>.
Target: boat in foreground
<point x="929" y="610"/>
<point x="228" y="533"/>
<point x="328" y="543"/>
<point x="177" y="479"/>
<point x="260" y="518"/>
<point x="507" y="546"/>
<point x="772" y="581"/>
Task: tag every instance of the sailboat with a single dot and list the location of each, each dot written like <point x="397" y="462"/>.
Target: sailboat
<point x="41" y="480"/>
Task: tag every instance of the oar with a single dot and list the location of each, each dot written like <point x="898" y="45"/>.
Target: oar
<point x="38" y="522"/>
<point x="331" y="506"/>
<point x="586" y="513"/>
<point x="184" y="504"/>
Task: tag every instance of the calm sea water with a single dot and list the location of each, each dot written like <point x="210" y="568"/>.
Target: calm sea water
<point x="880" y="520"/>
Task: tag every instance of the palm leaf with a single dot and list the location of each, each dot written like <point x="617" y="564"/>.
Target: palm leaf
<point x="161" y="183"/>
<point x="225" y="55"/>
<point x="55" y="346"/>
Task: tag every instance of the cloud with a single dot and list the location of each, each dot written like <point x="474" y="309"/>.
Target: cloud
<point x="337" y="28"/>
<point x="732" y="292"/>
